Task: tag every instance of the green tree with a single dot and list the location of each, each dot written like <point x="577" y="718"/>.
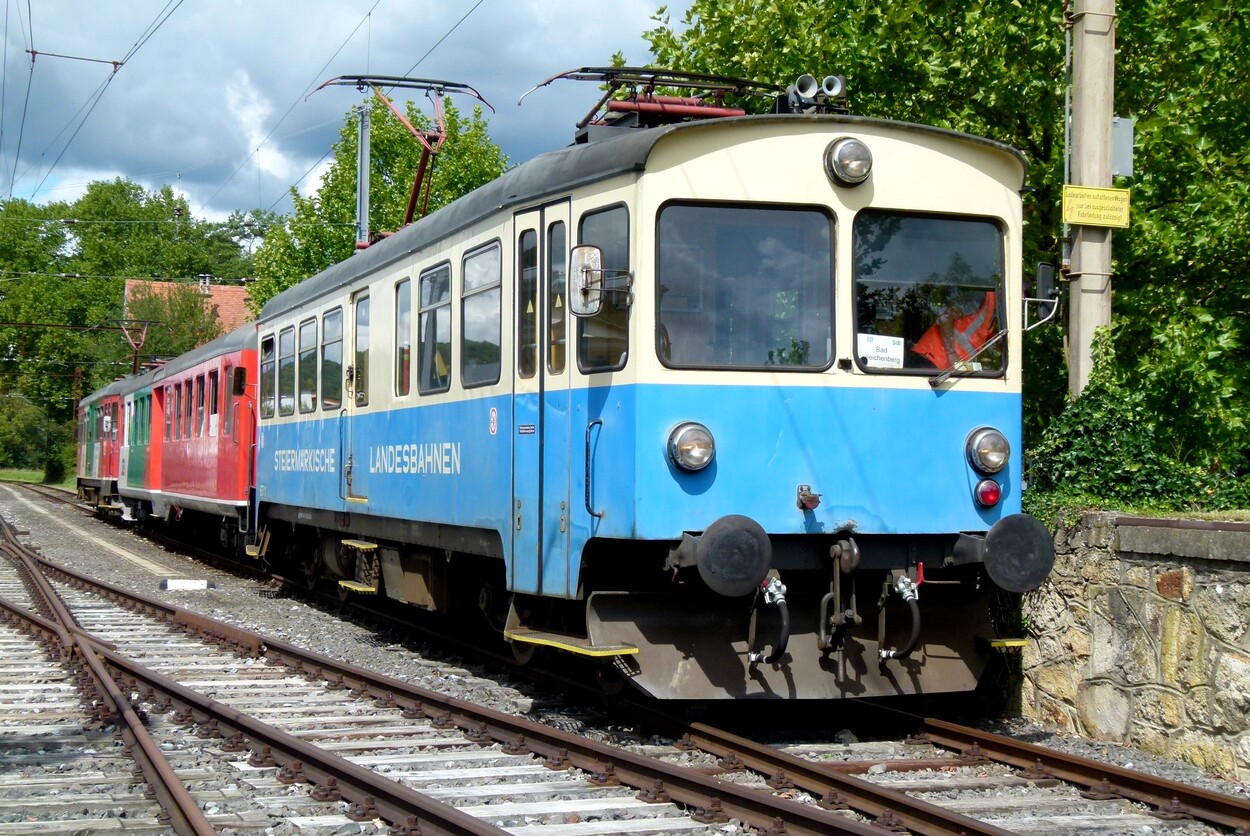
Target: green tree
<point x="23" y="432"/>
<point x="179" y="316"/>
<point x="62" y="272"/>
<point x="995" y="68"/>
<point x="321" y="231"/>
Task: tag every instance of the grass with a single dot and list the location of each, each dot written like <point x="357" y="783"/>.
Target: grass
<point x="17" y="474"/>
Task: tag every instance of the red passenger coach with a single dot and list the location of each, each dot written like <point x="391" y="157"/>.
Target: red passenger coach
<point x="206" y="409"/>
<point x="98" y="445"/>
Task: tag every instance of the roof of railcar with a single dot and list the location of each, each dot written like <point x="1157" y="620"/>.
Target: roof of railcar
<point x="240" y="338"/>
<point x="551" y="173"/>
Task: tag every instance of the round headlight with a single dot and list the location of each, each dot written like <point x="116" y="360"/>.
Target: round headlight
<point x="691" y="446"/>
<point x="848" y="161"/>
<point x="988" y="450"/>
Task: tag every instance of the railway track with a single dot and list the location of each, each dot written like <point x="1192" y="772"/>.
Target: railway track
<point x="240" y="691"/>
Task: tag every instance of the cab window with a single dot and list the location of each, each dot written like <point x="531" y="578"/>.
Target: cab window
<point x="603" y="339"/>
<point x="928" y="293"/>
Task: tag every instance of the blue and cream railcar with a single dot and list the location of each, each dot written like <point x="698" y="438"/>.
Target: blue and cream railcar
<point x="733" y="404"/>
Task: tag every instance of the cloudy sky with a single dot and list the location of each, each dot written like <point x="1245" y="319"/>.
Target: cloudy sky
<point x="211" y="96"/>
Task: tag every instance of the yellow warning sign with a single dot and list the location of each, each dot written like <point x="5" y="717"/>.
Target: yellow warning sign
<point x="1088" y="206"/>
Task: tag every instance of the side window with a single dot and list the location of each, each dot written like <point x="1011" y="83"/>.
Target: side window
<point x="213" y="404"/>
<point x="286" y="371"/>
<point x="267" y="390"/>
<point x="332" y="360"/>
<point x="480" y="343"/>
<point x="557" y="272"/>
<point x="199" y="405"/>
<point x="527" y="304"/>
<point x="603" y="340"/>
<point x="403" y="337"/>
<point x="308" y="365"/>
<point x="171" y="409"/>
<point x="360" y="343"/>
<point x="434" y="327"/>
<point x="188" y="407"/>
<point x="227" y="401"/>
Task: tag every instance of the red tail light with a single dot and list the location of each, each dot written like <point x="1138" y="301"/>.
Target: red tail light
<point x="987" y="493"/>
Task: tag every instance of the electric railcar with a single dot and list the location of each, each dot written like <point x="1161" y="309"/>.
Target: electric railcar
<point x="176" y="438"/>
<point x="732" y="405"/>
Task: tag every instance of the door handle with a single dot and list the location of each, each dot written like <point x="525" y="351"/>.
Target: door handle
<point x="596" y="514"/>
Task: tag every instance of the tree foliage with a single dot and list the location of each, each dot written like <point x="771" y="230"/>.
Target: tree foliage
<point x="1176" y="366"/>
<point x="63" y="268"/>
<point x="321" y="230"/>
<point x="178" y="318"/>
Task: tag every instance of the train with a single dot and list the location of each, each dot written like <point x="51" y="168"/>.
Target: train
<point x="726" y="404"/>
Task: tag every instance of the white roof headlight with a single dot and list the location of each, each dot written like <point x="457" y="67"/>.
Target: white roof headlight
<point x="988" y="450"/>
<point x="848" y="161"/>
<point x="690" y="446"/>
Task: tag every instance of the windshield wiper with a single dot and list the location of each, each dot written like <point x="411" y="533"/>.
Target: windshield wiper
<point x="963" y="368"/>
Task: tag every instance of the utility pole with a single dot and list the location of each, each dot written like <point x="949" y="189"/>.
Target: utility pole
<point x="1092" y="25"/>
<point x="362" y="179"/>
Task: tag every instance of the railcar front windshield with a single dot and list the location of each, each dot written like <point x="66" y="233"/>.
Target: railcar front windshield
<point x="928" y="293"/>
<point x="745" y="287"/>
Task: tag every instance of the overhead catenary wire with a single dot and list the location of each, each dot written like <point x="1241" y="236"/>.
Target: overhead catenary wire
<point x="292" y="107"/>
<point x="152" y="28"/>
<point x="21" y="130"/>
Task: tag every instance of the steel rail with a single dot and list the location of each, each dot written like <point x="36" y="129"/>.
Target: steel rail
<point x="709" y="797"/>
<point x="1170" y="799"/>
<point x="375" y="796"/>
<point x="179" y="810"/>
<point x="833" y="786"/>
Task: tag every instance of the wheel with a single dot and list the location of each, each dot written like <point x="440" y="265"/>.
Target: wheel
<point x="523" y="652"/>
<point x="609" y="680"/>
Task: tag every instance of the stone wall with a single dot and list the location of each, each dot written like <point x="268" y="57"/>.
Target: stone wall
<point x="1142" y="637"/>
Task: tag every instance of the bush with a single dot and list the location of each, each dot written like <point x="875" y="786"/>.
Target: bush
<point x="1117" y="445"/>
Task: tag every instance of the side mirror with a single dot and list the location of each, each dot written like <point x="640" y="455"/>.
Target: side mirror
<point x="585" y="280"/>
<point x="238" y="385"/>
<point x="1045" y="300"/>
<point x="1044" y="285"/>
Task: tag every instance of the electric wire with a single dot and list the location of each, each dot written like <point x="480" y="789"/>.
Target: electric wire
<point x="292" y="107"/>
<point x="4" y="80"/>
<point x="445" y="37"/>
<point x="147" y="34"/>
<point x="30" y="78"/>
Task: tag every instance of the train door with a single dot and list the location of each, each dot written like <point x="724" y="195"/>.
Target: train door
<point x="541" y="449"/>
<point x="356" y="462"/>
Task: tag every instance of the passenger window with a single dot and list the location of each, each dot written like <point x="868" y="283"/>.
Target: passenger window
<point x="170" y="410"/>
<point x="199" y="406"/>
<point x="188" y="403"/>
<point x="481" y="344"/>
<point x="267" y="389"/>
<point x="332" y="360"/>
<point x="212" y="402"/>
<point x="527" y="305"/>
<point x="557" y="272"/>
<point x="434" y="326"/>
<point x="360" y="342"/>
<point x="308" y="365"/>
<point x="403" y="337"/>
<point x="227" y="402"/>
<point x="286" y="371"/>
<point x="603" y="339"/>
